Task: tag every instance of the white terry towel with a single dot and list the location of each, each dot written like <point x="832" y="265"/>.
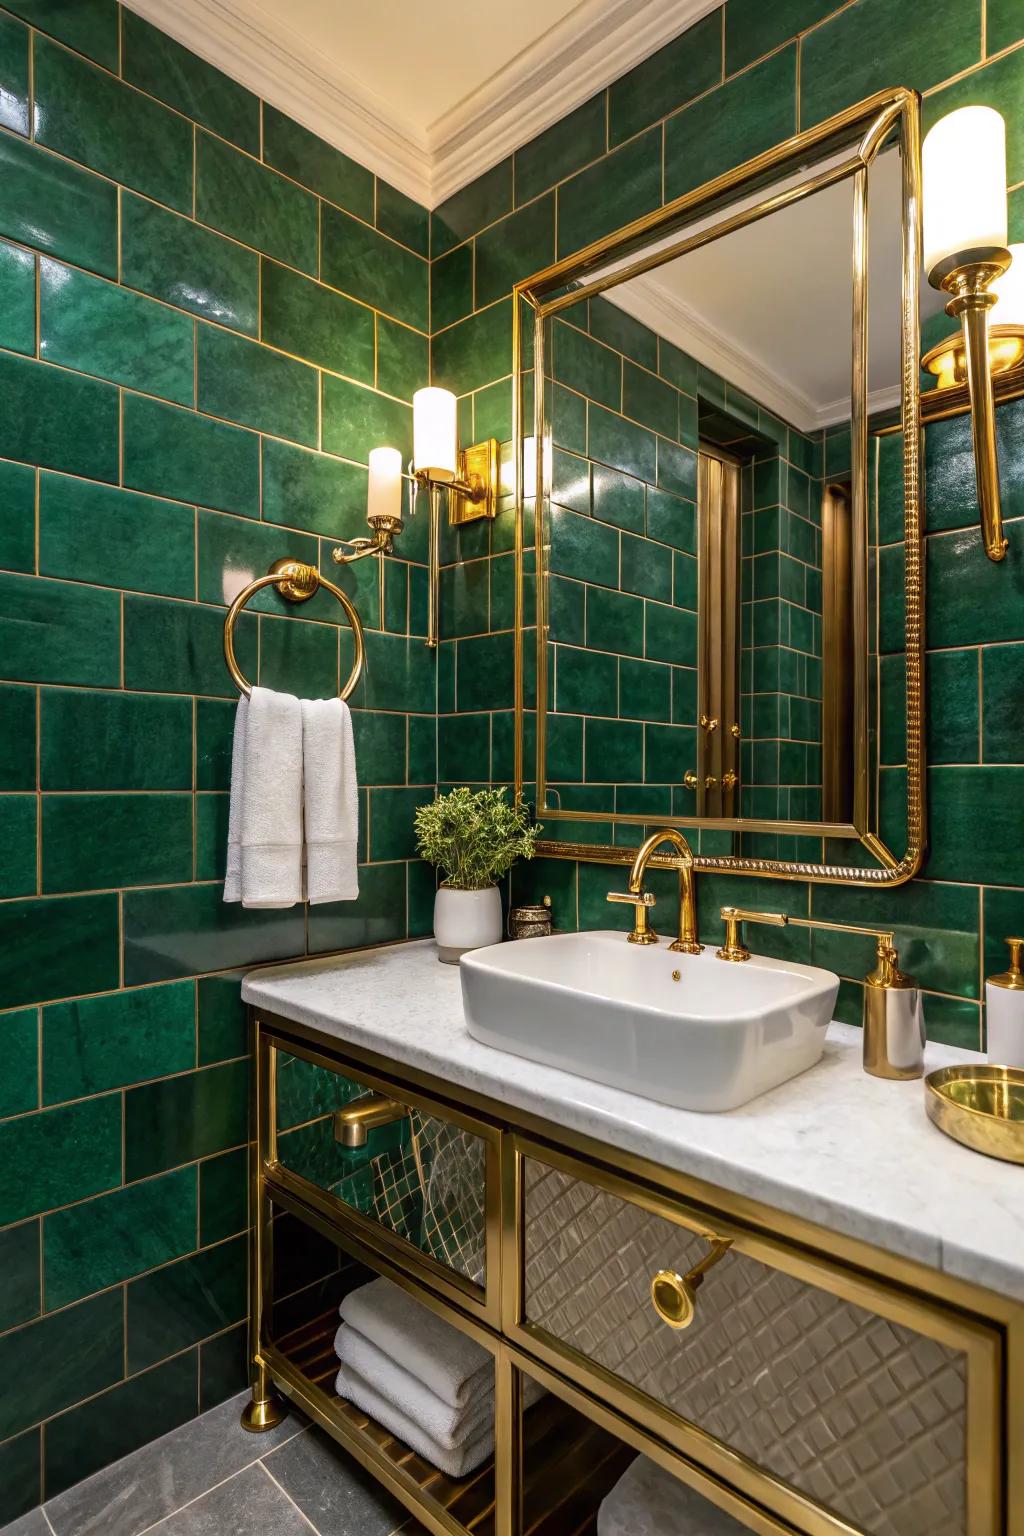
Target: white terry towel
<point x="455" y="1463"/>
<point x="264" y="867"/>
<point x="454" y="1366"/>
<point x="330" y="801"/>
<point x="648" y="1501"/>
<point x="448" y="1427"/>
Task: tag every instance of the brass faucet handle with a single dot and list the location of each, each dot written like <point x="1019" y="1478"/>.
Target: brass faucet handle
<point x="641" y="902"/>
<point x="733" y="947"/>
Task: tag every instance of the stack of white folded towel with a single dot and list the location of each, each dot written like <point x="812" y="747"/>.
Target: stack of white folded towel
<point x="293" y="822"/>
<point x="428" y="1383"/>
<point x="648" y="1501"/>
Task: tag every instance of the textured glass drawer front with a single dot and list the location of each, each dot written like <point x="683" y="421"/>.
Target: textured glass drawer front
<point x="422" y="1177"/>
<point x="864" y="1416"/>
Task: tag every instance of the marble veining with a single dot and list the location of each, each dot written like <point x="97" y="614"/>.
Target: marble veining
<point x="853" y="1153"/>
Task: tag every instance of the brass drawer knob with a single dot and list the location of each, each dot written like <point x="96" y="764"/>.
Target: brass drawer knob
<point x="674" y="1296"/>
<point x="690" y="779"/>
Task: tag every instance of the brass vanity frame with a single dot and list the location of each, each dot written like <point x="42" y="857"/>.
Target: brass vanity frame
<point x="551" y="290"/>
<point x="987" y="1327"/>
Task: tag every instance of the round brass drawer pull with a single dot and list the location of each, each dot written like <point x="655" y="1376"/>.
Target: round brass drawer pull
<point x="674" y="1296"/>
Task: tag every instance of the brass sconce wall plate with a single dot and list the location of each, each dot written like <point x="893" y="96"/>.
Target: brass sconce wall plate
<point x="478" y="469"/>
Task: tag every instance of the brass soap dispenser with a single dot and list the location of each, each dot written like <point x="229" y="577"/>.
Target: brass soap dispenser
<point x="893" y="1018"/>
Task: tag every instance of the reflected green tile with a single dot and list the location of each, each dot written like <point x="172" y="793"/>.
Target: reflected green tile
<point x="94" y="740"/>
<point x="613" y="750"/>
<point x="356" y="419"/>
<point x="510" y="250"/>
<point x="368" y="266"/>
<point x="474" y="352"/>
<point x="164" y="69"/>
<point x="103" y="1241"/>
<point x="451" y="287"/>
<point x="178" y="647"/>
<point x="299" y="658"/>
<point x="318" y="165"/>
<point x="622" y="444"/>
<point x="97" y="533"/>
<point x="484" y="672"/>
<point x="91" y="841"/>
<point x="188" y="929"/>
<point x="689" y="64"/>
<point x="617" y="189"/>
<point x="732" y="124"/>
<point x="970" y="599"/>
<point x="17" y="293"/>
<point x="472" y="208"/>
<point x="18" y="840"/>
<point x="223" y="1196"/>
<point x="242" y="198"/>
<point x="671" y="634"/>
<point x="89" y="116"/>
<point x="17" y="516"/>
<point x="860" y="51"/>
<point x="95" y="1043"/>
<point x="391" y="821"/>
<point x="184" y="1302"/>
<point x="249" y="384"/>
<point x="59" y="1156"/>
<point x="61" y="1359"/>
<point x="187" y="457"/>
<point x="585" y="682"/>
<point x="59" y="632"/>
<point x="56" y="207"/>
<point x="19" y="1086"/>
<point x="403" y="360"/>
<point x="90" y="26"/>
<point x="571" y="142"/>
<point x="19" y="1257"/>
<point x="669" y="751"/>
<point x="585" y="365"/>
<point x="403" y="218"/>
<point x="312" y="490"/>
<point x="182" y="1118"/>
<point x="376" y="917"/>
<point x="176" y="260"/>
<point x="57" y="419"/>
<point x="312" y="321"/>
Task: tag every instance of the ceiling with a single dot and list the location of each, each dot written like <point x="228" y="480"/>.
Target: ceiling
<point x="428" y="96"/>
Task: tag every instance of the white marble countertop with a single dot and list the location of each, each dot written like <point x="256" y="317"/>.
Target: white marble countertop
<point x="854" y="1153"/>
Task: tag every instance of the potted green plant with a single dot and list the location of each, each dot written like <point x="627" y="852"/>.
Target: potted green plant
<point x="474" y="838"/>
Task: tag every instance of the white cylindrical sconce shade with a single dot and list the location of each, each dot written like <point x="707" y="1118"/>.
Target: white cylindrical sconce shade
<point x="964" y="202"/>
<point x="384" y="487"/>
<point x="435" y="433"/>
<point x="1009" y="291"/>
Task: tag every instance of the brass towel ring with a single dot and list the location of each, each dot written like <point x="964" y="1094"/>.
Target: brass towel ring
<point x="297" y="582"/>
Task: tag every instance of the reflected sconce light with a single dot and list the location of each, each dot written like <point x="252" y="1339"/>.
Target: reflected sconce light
<point x="966" y="256"/>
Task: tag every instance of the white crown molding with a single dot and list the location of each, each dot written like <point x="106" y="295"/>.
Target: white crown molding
<point x="599" y="41"/>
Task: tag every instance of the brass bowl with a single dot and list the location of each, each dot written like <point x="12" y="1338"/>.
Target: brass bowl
<point x="981" y="1106"/>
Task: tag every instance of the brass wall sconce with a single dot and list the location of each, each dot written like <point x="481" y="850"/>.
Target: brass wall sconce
<point x="967" y="257"/>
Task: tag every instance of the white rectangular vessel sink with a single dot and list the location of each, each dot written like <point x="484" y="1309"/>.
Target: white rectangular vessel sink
<point x="689" y="1030"/>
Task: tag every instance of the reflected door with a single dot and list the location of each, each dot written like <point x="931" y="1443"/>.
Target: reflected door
<point x="718" y="737"/>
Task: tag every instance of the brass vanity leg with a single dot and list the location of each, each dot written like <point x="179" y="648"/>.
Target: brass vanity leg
<point x="508" y="1447"/>
<point x="264" y="1409"/>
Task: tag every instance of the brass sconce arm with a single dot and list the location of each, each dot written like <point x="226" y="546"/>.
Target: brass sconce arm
<point x="385" y="531"/>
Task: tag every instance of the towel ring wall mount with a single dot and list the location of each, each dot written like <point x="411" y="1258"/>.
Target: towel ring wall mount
<point x="296" y="582"/>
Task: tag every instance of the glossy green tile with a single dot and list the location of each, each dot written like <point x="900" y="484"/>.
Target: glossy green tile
<point x="211" y="836"/>
<point x="89" y="116"/>
<point x="484" y="672"/>
<point x="223" y="1196"/>
<point x="92" y="740"/>
<point x="187" y="929"/>
<point x="646" y="569"/>
<point x="56" y="207"/>
<point x="380" y="746"/>
<point x="18" y="840"/>
<point x="17" y="296"/>
<point x="613" y="750"/>
<point x="20" y="1474"/>
<point x="391" y="821"/>
<point x="860" y="51"/>
<point x="90" y="26"/>
<point x="57" y="419"/>
<point x="370" y="267"/>
<point x="753" y="29"/>
<point x="622" y="444"/>
<point x="310" y="320"/>
<point x="215" y="721"/>
<point x="464" y="748"/>
<point x="671" y="520"/>
<point x="585" y="365"/>
<point x="19" y="1256"/>
<point x="96" y="1043"/>
<point x="510" y="250"/>
<point x="377" y="917"/>
<point x="936" y="927"/>
<point x="689" y="64"/>
<point x="1003" y="24"/>
<point x="403" y="218"/>
<point x="403" y="360"/>
<point x="255" y="387"/>
<point x="19" y="1086"/>
<point x="100" y="328"/>
<point x="475" y="351"/>
<point x="953" y="682"/>
<point x="242" y="198"/>
<point x="613" y="326"/>
<point x="17" y="516"/>
<point x="59" y="632"/>
<point x="97" y="533"/>
<point x="182" y="1118"/>
<point x="178" y="647"/>
<point x="968" y="842"/>
<point x="585" y="682"/>
<point x="61" y="1359"/>
<point x="164" y="69"/>
<point x="59" y="1156"/>
<point x="615" y="622"/>
<point x="318" y="165"/>
<point x="617" y="189"/>
<point x="671" y="634"/>
<point x="732" y="124"/>
<point x="98" y="841"/>
<point x="1003" y="681"/>
<point x="182" y="1303"/>
<point x="299" y="658"/>
<point x="583" y="549"/>
<point x="969" y="599"/>
<point x="451" y="287"/>
<point x="570" y="482"/>
<point x="176" y="260"/>
<point x="187" y="457"/>
<point x="472" y="208"/>
<point x="233" y="549"/>
<point x="356" y="419"/>
<point x="100" y="1242"/>
<point x="96" y="1433"/>
<point x="223" y="1026"/>
<point x="399" y="674"/>
<point x="313" y="491"/>
<point x="57" y="948"/>
<point x="649" y="400"/>
<point x="571" y="142"/>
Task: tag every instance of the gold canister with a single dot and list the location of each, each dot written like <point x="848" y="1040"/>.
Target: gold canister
<point x="894" y="1035"/>
<point x="530" y="921"/>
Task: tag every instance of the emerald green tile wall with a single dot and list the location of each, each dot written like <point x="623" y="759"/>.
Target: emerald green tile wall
<point x="738" y="80"/>
<point x="208" y="316"/>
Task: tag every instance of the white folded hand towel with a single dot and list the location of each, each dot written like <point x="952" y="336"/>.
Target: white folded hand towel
<point x="265" y="816"/>
<point x="330" y="801"/>
<point x="648" y="1501"/>
<point x="449" y="1427"/>
<point x="444" y="1359"/>
<point x="455" y="1463"/>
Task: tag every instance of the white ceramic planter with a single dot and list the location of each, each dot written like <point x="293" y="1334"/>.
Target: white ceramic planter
<point x="465" y="920"/>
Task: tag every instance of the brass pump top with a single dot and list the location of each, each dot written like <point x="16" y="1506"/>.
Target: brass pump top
<point x="1013" y="979"/>
<point x="887" y="972"/>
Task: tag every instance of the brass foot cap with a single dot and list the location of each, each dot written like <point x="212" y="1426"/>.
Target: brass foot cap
<point x="687" y="947"/>
<point x="257" y="1417"/>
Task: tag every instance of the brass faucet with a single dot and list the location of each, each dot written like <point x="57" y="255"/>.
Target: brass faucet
<point x="687" y="943"/>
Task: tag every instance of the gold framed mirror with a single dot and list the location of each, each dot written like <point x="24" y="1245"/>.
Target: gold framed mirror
<point x="712" y="532"/>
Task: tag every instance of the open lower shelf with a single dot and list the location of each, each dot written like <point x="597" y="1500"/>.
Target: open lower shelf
<point x="568" y="1462"/>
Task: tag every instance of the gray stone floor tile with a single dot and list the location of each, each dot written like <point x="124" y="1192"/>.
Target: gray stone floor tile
<point x="32" y="1524"/>
<point x="154" y="1481"/>
<point x="333" y="1491"/>
<point x="247" y="1504"/>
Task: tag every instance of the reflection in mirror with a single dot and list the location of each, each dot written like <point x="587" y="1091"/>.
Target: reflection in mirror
<point x="710" y="566"/>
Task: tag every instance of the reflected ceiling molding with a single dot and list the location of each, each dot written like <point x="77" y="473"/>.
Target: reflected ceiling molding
<point x="553" y="74"/>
